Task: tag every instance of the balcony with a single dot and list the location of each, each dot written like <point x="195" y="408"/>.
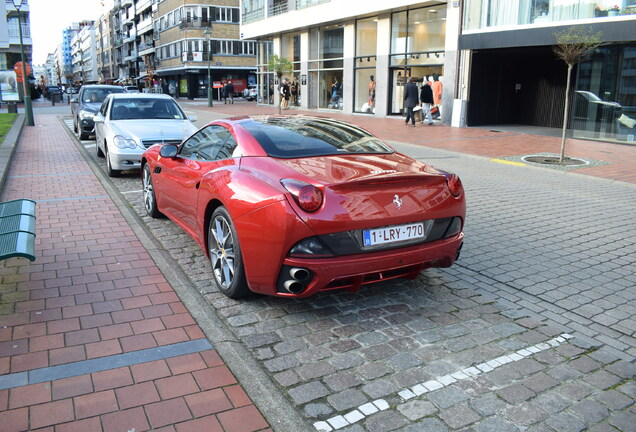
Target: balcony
<point x="277" y="8"/>
<point x="194" y="23"/>
<point x="128" y="21"/>
<point x="14" y="31"/>
<point x="144" y="26"/>
<point x="143" y="5"/>
<point x="130" y="37"/>
<point x="252" y="16"/>
<point x="300" y="4"/>
<point x="11" y="7"/>
<point x="126" y="3"/>
<point x="131" y="56"/>
<point x="146" y="48"/>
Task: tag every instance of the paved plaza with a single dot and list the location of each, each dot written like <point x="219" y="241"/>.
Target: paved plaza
<point x="531" y="330"/>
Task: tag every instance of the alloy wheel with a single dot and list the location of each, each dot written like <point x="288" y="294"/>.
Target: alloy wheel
<point x="222" y="251"/>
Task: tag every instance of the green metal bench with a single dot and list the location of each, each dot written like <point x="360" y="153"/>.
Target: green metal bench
<point x="17" y="229"/>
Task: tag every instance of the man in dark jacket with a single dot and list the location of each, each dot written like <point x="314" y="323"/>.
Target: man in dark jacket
<point x="410" y="100"/>
<point x="426" y="97"/>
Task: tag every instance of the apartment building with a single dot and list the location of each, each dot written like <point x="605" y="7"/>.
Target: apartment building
<point x="184" y="50"/>
<point x="84" y="55"/>
<point x="511" y="75"/>
<point x="107" y="71"/>
<point x="354" y="56"/>
<point x="10" y="34"/>
<point x="51" y="62"/>
<point x="65" y="50"/>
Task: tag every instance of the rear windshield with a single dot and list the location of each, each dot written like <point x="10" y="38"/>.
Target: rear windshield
<point x="97" y="95"/>
<point x="294" y="137"/>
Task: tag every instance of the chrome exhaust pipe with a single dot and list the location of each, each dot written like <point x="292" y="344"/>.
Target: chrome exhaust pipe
<point x="293" y="286"/>
<point x="300" y="274"/>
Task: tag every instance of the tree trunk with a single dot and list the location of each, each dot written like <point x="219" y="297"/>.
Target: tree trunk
<point x="566" y="111"/>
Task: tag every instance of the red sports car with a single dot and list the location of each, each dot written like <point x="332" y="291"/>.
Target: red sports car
<point x="294" y="205"/>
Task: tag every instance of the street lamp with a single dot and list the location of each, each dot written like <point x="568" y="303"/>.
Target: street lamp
<point x="28" y="109"/>
<point x="208" y="33"/>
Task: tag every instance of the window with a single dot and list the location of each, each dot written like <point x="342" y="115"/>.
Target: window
<point x="209" y="144"/>
<point x="224" y="14"/>
<point x="247" y="48"/>
<point x="224" y="47"/>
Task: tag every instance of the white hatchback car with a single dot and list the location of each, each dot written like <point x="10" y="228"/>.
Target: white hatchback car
<point x="127" y="124"/>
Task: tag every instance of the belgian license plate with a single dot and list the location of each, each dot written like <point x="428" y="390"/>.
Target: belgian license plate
<point x="392" y="234"/>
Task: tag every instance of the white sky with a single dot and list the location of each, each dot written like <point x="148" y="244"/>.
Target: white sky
<point x="50" y="17"/>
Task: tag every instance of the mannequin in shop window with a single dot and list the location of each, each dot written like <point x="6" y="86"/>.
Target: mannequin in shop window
<point x="371" y="92"/>
<point x="437" y="91"/>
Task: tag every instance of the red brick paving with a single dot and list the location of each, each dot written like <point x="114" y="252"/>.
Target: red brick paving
<point x="94" y="291"/>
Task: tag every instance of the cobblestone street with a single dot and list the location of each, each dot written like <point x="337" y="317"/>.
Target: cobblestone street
<point x="532" y="329"/>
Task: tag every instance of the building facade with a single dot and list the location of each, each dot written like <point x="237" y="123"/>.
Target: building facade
<point x="358" y="59"/>
<point x="184" y="51"/>
<point x="10" y="34"/>
<point x="511" y="75"/>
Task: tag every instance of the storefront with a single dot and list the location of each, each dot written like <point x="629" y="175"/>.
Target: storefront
<point x="605" y="97"/>
<point x="417" y="50"/>
<point x="326" y="64"/>
<point x="352" y="67"/>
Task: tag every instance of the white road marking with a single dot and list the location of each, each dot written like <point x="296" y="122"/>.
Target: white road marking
<point x="340" y="421"/>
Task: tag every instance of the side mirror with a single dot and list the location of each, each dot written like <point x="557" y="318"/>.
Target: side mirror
<point x="74" y="100"/>
<point x="168" y="151"/>
<point x="193" y="118"/>
<point x="98" y="118"/>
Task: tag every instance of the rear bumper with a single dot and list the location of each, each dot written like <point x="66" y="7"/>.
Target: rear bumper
<point x="352" y="272"/>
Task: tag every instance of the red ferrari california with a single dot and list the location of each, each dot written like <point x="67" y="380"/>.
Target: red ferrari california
<point x="294" y="205"/>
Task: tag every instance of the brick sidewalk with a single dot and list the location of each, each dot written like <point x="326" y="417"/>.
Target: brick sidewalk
<point x="92" y="337"/>
<point x="621" y="158"/>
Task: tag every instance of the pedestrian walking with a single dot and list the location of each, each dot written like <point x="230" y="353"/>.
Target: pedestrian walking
<point x="229" y="91"/>
<point x="426" y="98"/>
<point x="410" y="100"/>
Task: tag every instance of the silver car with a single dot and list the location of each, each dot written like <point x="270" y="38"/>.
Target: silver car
<point x="127" y="124"/>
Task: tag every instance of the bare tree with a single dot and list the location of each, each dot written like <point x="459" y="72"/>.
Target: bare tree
<point x="280" y="66"/>
<point x="572" y="44"/>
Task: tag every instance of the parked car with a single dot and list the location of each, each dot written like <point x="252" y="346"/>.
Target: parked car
<point x="52" y="91"/>
<point x="127" y="124"/>
<point x="132" y="89"/>
<point x="293" y="205"/>
<point x="86" y="104"/>
<point x="250" y="93"/>
<point x="71" y="90"/>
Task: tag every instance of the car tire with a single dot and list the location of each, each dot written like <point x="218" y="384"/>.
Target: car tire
<point x="74" y="126"/>
<point x="100" y="153"/>
<point x="109" y="168"/>
<point x="83" y="136"/>
<point x="225" y="255"/>
<point x="150" y="199"/>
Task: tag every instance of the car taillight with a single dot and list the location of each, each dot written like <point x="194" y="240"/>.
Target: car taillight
<point x="453" y="182"/>
<point x="307" y="196"/>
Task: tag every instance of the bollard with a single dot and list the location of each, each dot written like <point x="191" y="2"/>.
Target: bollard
<point x="53" y="99"/>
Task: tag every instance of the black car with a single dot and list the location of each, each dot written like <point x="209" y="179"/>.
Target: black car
<point x="87" y="104"/>
<point x="53" y="90"/>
